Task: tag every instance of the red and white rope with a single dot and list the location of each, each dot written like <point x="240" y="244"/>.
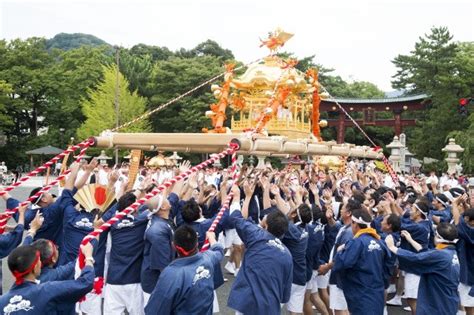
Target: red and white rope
<point x="226" y="203"/>
<point x="120" y="215"/>
<point x="85" y="144"/>
<point x="4" y="217"/>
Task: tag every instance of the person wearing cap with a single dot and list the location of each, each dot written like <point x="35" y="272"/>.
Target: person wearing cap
<point x="442" y="209"/>
<point x="420" y="229"/>
<point x="438" y="270"/>
<point x="33" y="298"/>
<point x="364" y="267"/>
<point x="49" y="206"/>
<point x="186" y="285"/>
<point x="463" y="217"/>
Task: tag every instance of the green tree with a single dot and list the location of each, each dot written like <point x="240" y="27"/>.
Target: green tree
<point x="444" y="70"/>
<point x="99" y="108"/>
<point x="138" y="70"/>
<point x="175" y="76"/>
<point x="76" y="72"/>
<point x="66" y="41"/>
<point x="5" y="120"/>
<point x="26" y="66"/>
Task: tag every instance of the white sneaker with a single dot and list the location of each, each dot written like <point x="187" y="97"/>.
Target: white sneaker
<point x="230" y="267"/>
<point x="391" y="289"/>
<point x="395" y="301"/>
<point x="407" y="309"/>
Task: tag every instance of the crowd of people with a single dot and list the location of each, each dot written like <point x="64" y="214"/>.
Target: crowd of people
<point x="312" y="238"/>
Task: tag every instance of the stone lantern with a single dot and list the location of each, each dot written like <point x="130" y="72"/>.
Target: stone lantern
<point x="452" y="159"/>
<point x="395" y="157"/>
<point x="103" y="158"/>
<point x="175" y="158"/>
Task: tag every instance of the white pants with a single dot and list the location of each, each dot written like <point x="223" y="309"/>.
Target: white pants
<point x="119" y="298"/>
<point x="232" y="238"/>
<point x="466" y="299"/>
<point x="337" y="300"/>
<point x="312" y="284"/>
<point x="411" y="282"/>
<point x="323" y="280"/>
<point x="215" y="303"/>
<point x="91" y="306"/>
<point x="146" y="298"/>
<point x="295" y="304"/>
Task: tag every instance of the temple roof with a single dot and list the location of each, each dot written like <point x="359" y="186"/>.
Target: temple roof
<point x="419" y="97"/>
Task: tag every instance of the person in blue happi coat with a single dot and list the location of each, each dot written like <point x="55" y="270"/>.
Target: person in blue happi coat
<point x="296" y="240"/>
<point x="123" y="290"/>
<point x="464" y="219"/>
<point x="27" y="296"/>
<point x="51" y="209"/>
<point x="441" y="211"/>
<point x="315" y="243"/>
<point x="9" y="241"/>
<point x="438" y="270"/>
<point x="420" y="228"/>
<point x="186" y="285"/>
<point x="158" y="252"/>
<point x="51" y="272"/>
<point x="192" y="216"/>
<point x="264" y="280"/>
<point x="363" y="264"/>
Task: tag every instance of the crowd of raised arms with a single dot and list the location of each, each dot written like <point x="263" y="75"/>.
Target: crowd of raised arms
<point x="296" y="239"/>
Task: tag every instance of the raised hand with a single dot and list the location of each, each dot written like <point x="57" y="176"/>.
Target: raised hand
<point x="37" y="222"/>
<point x="90" y="167"/>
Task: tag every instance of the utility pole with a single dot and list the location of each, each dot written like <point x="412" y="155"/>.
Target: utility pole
<point x="117" y="112"/>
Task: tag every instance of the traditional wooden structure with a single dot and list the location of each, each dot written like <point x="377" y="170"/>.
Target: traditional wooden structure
<point x="369" y="108"/>
<point x="212" y="143"/>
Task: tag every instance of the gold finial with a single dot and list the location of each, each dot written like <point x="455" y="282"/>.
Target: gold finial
<point x="276" y="39"/>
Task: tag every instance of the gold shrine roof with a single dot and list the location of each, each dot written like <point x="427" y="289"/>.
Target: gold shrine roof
<point x="266" y="74"/>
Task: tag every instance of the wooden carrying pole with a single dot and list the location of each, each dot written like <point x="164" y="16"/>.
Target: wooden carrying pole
<point x="211" y="143"/>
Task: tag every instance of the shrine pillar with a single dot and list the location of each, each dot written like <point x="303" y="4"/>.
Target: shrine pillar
<point x="341" y="127"/>
<point x="398" y="121"/>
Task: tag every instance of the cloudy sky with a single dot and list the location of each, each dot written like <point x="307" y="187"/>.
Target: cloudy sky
<point x="357" y="38"/>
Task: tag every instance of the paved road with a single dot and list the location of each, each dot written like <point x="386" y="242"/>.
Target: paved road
<point x="22" y="193"/>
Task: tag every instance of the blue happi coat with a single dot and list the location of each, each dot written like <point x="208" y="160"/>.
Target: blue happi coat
<point x="296" y="240"/>
<point x="439" y="279"/>
<point x="186" y="285"/>
<point x="158" y="252"/>
<point x="465" y="248"/>
<point x="421" y="232"/>
<point x="266" y="273"/>
<point x="126" y="253"/>
<point x="363" y="267"/>
<point x="52" y="227"/>
<point x="315" y="243"/>
<point x="30" y="298"/>
<point x="9" y="241"/>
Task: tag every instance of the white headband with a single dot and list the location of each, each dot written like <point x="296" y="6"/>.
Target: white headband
<point x="442" y="240"/>
<point x="419" y="209"/>
<point x="441" y="201"/>
<point x="360" y="221"/>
